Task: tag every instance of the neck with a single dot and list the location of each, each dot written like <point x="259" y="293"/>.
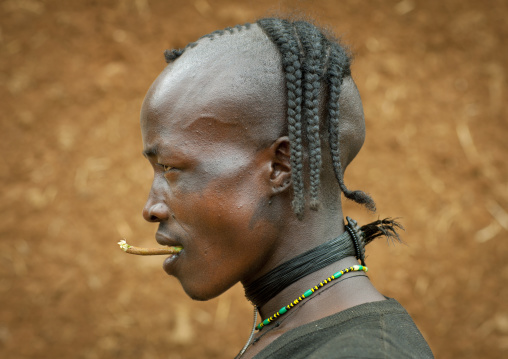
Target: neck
<point x="266" y="287"/>
<point x="350" y="290"/>
<point x="306" y="270"/>
<point x="295" y="237"/>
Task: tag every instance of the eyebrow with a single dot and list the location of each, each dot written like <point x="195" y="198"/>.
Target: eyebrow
<point x="150" y="152"/>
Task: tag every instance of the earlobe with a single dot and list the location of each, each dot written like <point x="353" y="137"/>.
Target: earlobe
<point x="280" y="175"/>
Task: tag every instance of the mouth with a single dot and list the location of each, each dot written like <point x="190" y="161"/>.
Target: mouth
<point x="170" y="263"/>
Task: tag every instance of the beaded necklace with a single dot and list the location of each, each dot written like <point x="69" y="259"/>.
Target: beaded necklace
<point x="309" y="292"/>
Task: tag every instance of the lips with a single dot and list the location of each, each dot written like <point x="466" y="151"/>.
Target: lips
<point x="164" y="240"/>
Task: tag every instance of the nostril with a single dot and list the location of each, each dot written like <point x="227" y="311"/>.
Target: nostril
<point x="156" y="212"/>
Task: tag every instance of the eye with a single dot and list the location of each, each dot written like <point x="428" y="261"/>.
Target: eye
<point x="165" y="167"/>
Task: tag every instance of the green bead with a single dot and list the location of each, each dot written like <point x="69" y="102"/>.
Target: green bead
<point x="337" y="275"/>
<point x="308" y="293"/>
<point x="282" y="310"/>
<point x="266" y="321"/>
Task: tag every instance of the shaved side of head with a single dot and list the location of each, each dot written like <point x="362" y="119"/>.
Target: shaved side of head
<point x="241" y="65"/>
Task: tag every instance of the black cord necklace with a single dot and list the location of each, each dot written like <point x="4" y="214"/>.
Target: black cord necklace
<point x="272" y="283"/>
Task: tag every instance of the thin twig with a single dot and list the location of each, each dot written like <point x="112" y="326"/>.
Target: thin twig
<point x="148" y="251"/>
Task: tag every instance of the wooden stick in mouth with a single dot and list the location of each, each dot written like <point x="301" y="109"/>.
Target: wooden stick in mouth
<point x="148" y="251"/>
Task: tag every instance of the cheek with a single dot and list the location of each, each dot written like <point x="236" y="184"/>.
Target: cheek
<point x="219" y="206"/>
<point x="224" y="206"/>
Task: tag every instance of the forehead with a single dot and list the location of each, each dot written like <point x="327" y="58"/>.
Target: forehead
<point x="233" y="81"/>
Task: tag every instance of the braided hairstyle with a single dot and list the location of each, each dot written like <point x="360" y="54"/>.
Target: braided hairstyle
<point x="309" y="60"/>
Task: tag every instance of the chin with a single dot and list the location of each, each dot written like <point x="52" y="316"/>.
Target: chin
<point x="202" y="294"/>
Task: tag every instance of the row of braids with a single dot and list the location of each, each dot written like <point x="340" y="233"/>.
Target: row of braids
<point x="307" y="54"/>
<point x="281" y="32"/>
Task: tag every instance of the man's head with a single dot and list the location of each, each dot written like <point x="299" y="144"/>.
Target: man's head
<point x="242" y="126"/>
<point x="315" y="70"/>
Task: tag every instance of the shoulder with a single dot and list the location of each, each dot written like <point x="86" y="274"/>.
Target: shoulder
<point x="373" y="330"/>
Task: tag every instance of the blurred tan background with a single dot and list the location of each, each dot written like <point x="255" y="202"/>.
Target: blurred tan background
<point x="433" y="78"/>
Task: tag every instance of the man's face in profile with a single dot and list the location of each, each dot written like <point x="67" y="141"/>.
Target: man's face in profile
<point x="211" y="178"/>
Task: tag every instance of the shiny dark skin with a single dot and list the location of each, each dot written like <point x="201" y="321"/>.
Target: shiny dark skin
<point x="213" y="127"/>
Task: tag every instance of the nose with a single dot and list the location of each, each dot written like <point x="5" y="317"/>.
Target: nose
<point x="155" y="209"/>
<point x="155" y="213"/>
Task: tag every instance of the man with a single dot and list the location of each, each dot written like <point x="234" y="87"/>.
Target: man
<point x="249" y="131"/>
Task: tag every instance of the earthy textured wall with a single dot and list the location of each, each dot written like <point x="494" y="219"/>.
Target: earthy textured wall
<point x="433" y="76"/>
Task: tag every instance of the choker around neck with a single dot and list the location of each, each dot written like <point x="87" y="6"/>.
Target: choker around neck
<point x="350" y="243"/>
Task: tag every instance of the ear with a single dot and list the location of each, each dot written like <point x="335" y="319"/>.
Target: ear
<point x="280" y="175"/>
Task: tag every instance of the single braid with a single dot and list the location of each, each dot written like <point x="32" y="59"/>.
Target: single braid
<point x="212" y="35"/>
<point x="312" y="41"/>
<point x="338" y="67"/>
<point x="280" y="32"/>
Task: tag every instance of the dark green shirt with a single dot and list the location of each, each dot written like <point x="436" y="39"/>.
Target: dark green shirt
<point x="373" y="330"/>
